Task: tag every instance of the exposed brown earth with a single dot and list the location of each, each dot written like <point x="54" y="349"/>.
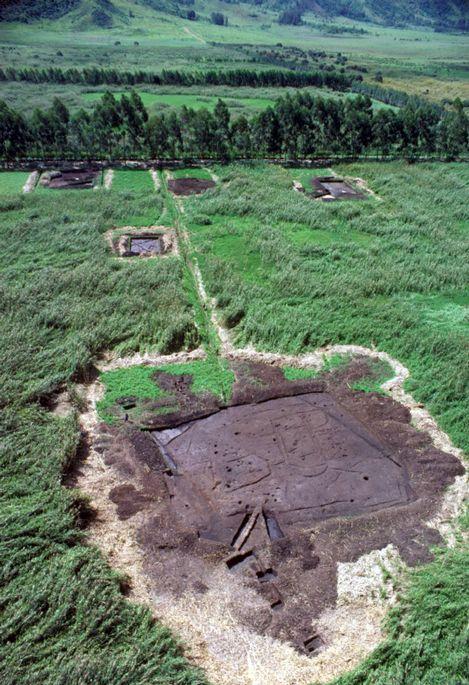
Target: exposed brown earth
<point x="277" y="488"/>
<point x="69" y="179"/>
<point x="334" y="188"/>
<point x="189" y="186"/>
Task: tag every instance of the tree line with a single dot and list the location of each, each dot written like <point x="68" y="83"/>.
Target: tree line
<point x="390" y="96"/>
<point x="297" y="126"/>
<point x="96" y="76"/>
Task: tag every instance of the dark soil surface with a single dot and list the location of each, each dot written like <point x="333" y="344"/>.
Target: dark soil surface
<point x="278" y="487"/>
<point x="146" y="245"/>
<point x="189" y="186"/>
<point x="335" y="187"/>
<point x="70" y="179"/>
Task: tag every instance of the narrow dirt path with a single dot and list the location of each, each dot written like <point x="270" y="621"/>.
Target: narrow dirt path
<point x="156" y="179"/>
<point x="194" y="35"/>
<point x="108" y="178"/>
<point x="31" y="182"/>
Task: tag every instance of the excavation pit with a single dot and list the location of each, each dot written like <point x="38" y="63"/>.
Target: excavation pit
<point x="269" y="492"/>
<point x="295" y="460"/>
<point x="189" y="186"/>
<point x="334" y="188"/>
<point x="146" y="246"/>
<point x="157" y="241"/>
<point x="69" y="179"/>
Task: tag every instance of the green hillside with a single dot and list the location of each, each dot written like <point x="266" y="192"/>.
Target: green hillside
<point x="107" y="14"/>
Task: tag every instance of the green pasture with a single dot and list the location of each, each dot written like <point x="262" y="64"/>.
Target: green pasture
<point x="192" y="172"/>
<point x="162" y="101"/>
<point x="132" y="181"/>
<point x="12" y="181"/>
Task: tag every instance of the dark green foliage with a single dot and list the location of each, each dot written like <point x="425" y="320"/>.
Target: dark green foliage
<point x="96" y="76"/>
<point x="219" y="19"/>
<point x="440" y="13"/>
<point x="24" y="10"/>
<point x="297" y="126"/>
<point x="290" y="17"/>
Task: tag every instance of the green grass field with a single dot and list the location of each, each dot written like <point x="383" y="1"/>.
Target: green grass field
<point x="191" y="172"/>
<point x="136" y="181"/>
<point x="163" y="101"/>
<point x="366" y="270"/>
<point x="288" y="274"/>
<point x="12" y="181"/>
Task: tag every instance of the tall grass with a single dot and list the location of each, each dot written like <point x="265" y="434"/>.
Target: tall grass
<point x="294" y="296"/>
<point x="63" y="617"/>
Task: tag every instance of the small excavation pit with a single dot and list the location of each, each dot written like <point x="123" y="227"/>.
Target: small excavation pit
<point x="145" y="246"/>
<point x="143" y="242"/>
<point x="333" y="188"/>
<point x="189" y="186"/>
<point x="69" y="179"/>
<point x="272" y="490"/>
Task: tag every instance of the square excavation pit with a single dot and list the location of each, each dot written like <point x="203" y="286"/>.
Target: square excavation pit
<point x="334" y="188"/>
<point x="69" y="179"/>
<point x="146" y="246"/>
<point x="144" y="243"/>
<point x="189" y="186"/>
<point x="269" y="493"/>
<point x="293" y="460"/>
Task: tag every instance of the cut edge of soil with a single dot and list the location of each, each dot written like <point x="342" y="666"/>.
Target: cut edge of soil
<point x="120" y="241"/>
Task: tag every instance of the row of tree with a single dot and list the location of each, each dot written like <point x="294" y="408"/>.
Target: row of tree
<point x="96" y="76"/>
<point x="298" y="126"/>
<point x="390" y="96"/>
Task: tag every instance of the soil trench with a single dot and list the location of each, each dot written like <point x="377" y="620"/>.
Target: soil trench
<point x="69" y="179"/>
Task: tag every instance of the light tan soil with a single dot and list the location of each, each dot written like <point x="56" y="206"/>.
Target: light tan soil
<point x="156" y="179"/>
<point x="108" y="178"/>
<point x="31" y="182"/>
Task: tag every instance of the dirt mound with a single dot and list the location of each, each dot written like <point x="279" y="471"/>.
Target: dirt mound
<point x="189" y="186"/>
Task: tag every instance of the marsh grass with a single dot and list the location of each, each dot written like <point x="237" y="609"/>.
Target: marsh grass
<point x="65" y="299"/>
